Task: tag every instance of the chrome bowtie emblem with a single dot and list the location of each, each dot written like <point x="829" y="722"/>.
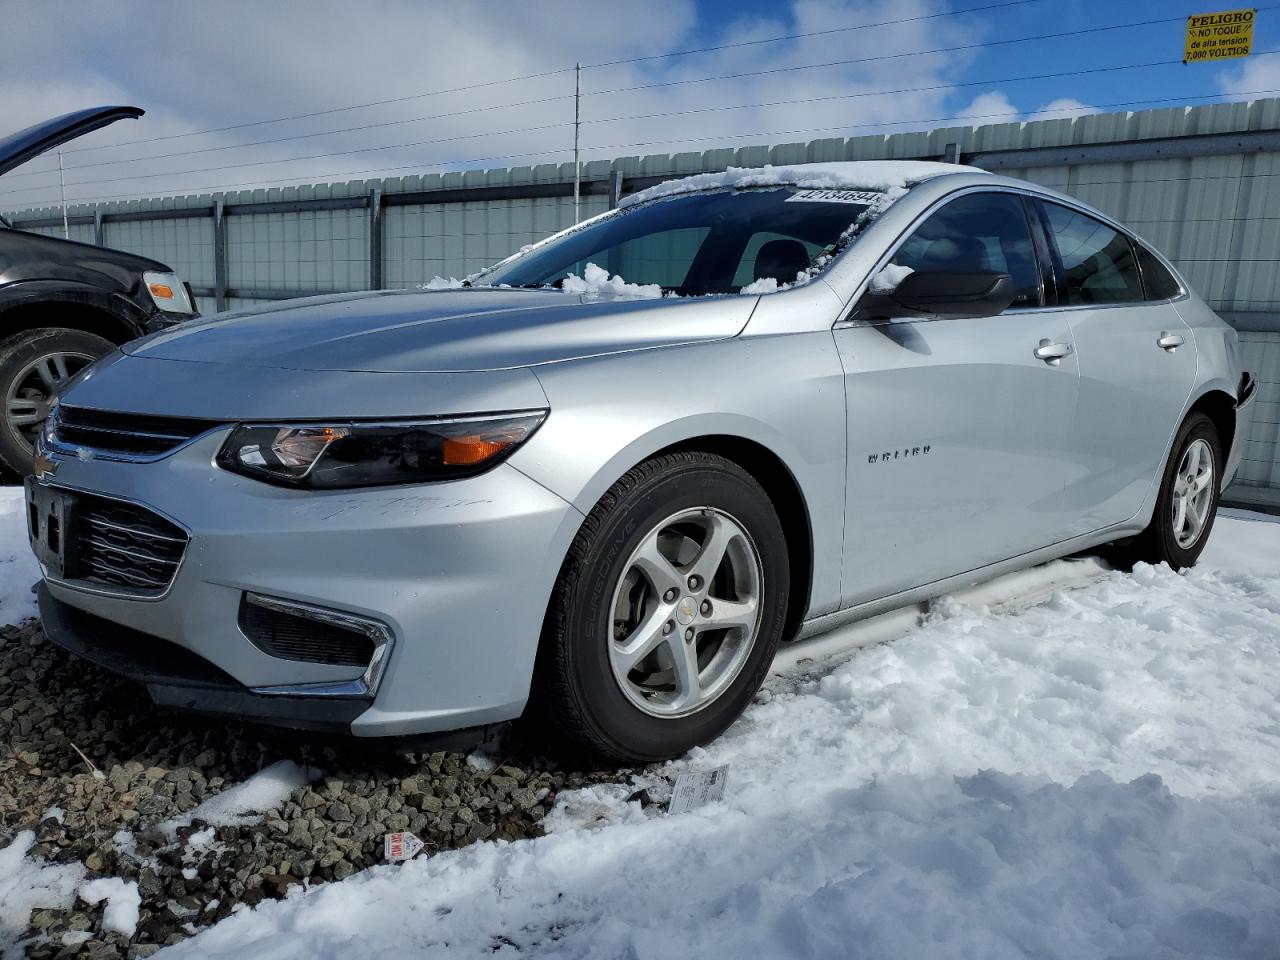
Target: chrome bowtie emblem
<point x="44" y="467"/>
<point x="686" y="610"/>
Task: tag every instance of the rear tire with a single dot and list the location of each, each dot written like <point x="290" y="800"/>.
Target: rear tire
<point x="1187" y="502"/>
<point x="34" y="364"/>
<point x="684" y="558"/>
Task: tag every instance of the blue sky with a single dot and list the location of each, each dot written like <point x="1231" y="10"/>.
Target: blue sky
<point x="1147" y="44"/>
<point x="224" y="82"/>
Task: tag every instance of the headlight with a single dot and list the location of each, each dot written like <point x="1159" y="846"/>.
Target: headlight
<point x="168" y="292"/>
<point x="355" y="454"/>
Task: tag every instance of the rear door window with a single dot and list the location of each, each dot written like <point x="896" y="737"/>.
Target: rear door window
<point x="1097" y="261"/>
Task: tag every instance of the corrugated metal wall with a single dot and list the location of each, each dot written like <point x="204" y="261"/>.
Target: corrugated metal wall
<point x="1217" y="216"/>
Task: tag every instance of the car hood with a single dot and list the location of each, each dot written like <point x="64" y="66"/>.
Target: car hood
<point x="18" y="148"/>
<point x="443" y="331"/>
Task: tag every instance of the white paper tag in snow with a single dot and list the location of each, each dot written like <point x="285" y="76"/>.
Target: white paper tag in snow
<point x="693" y="790"/>
<point x="401" y="846"/>
<point x="834" y="196"/>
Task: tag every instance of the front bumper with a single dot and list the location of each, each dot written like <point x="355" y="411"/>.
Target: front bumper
<point x="460" y="573"/>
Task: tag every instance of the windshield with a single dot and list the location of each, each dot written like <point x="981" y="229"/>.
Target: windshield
<point x="700" y="243"/>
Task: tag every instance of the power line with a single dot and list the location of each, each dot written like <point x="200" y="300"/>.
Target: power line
<point x="319" y="133"/>
<point x="551" y="73"/>
<point x="692" y="111"/>
<point x="881" y="93"/>
<point x="897" y="56"/>
<point x="446" y="163"/>
<point x="938" y="120"/>
<point x="322" y="113"/>
<point x="812" y="33"/>
<point x="314" y="156"/>
<point x="311" y="178"/>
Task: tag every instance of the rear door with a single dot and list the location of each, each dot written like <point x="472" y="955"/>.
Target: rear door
<point x="1137" y="364"/>
<point x="958" y="433"/>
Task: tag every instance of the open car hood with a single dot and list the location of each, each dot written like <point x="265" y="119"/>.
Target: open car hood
<point x="17" y="148"/>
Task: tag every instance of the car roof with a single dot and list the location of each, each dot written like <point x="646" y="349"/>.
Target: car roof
<point x="18" y="148"/>
<point x="879" y="176"/>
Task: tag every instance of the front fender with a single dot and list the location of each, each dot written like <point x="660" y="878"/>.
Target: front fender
<point x="22" y="293"/>
<point x="785" y="393"/>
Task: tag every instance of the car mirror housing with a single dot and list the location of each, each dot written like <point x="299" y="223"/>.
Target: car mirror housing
<point x="940" y="295"/>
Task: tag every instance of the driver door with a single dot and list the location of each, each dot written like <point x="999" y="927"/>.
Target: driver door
<point x="959" y="434"/>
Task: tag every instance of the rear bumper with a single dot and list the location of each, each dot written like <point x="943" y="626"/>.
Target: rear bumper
<point x="1245" y="394"/>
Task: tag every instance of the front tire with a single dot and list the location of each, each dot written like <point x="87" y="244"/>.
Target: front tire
<point x="1187" y="503"/>
<point x="34" y="364"/>
<point x="667" y="612"/>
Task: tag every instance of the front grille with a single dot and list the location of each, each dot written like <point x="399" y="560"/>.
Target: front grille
<point x="130" y="434"/>
<point x="292" y="637"/>
<point x="124" y="545"/>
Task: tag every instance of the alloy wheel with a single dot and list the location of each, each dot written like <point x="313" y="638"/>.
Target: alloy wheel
<point x="32" y="392"/>
<point x="685" y="612"/>
<point x="1192" y="493"/>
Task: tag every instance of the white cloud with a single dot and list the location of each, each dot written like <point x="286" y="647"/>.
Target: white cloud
<point x="200" y="66"/>
<point x="990" y="107"/>
<point x="1063" y="107"/>
<point x="1256" y="78"/>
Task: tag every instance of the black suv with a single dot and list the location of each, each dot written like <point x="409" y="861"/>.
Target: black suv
<point x="64" y="304"/>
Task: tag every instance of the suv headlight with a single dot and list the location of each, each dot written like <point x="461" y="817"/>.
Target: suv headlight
<point x="168" y="292"/>
<point x="364" y="454"/>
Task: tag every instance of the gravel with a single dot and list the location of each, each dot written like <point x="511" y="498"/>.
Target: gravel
<point x="92" y="746"/>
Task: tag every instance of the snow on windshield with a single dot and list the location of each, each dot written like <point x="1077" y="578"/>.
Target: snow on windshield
<point x="881" y="176"/>
<point x="595" y="281"/>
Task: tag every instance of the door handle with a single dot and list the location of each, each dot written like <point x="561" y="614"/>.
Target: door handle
<point x="1052" y="351"/>
<point x="1170" y="341"/>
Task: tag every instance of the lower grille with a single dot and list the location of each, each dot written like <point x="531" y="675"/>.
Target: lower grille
<point x="124" y="545"/>
<point x="280" y="633"/>
<point x="126" y="434"/>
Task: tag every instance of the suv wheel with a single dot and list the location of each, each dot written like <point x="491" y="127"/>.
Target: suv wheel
<point x="668" y="611"/>
<point x="34" y="365"/>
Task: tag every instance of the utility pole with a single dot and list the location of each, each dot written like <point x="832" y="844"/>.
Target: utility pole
<point x="577" y="123"/>
<point x="62" y="187"/>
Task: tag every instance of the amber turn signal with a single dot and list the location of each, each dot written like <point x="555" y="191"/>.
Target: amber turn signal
<point x="469" y="451"/>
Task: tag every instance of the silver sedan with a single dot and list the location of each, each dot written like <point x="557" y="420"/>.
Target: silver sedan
<point x="599" y="483"/>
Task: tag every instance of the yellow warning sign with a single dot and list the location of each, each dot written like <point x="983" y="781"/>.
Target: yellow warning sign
<point x="1219" y="36"/>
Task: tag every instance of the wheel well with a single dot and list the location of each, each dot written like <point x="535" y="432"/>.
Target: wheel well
<point x="772" y="474"/>
<point x="1220" y="407"/>
<point x="62" y="313"/>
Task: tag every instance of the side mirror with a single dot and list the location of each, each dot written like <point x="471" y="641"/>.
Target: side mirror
<point x="939" y="295"/>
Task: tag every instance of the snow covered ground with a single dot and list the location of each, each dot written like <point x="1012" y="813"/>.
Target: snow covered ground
<point x="1069" y="763"/>
<point x="1098" y="775"/>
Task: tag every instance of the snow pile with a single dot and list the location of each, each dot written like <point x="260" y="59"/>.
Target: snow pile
<point x="18" y="567"/>
<point x="440" y="283"/>
<point x="878" y="175"/>
<point x="26" y="884"/>
<point x="763" y="285"/>
<point x="1095" y="776"/>
<point x="595" y="282"/>
<point x="887" y="280"/>
<point x="265" y="790"/>
<point x="123" y="903"/>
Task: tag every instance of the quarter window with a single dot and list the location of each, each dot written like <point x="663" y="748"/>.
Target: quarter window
<point x="1097" y="261"/>
<point x="1158" y="282"/>
<point x="978" y="232"/>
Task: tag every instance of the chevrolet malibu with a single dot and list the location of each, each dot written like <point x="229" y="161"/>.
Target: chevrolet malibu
<point x="602" y="481"/>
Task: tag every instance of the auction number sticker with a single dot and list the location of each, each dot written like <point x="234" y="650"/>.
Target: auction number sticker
<point x="834" y="196"/>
